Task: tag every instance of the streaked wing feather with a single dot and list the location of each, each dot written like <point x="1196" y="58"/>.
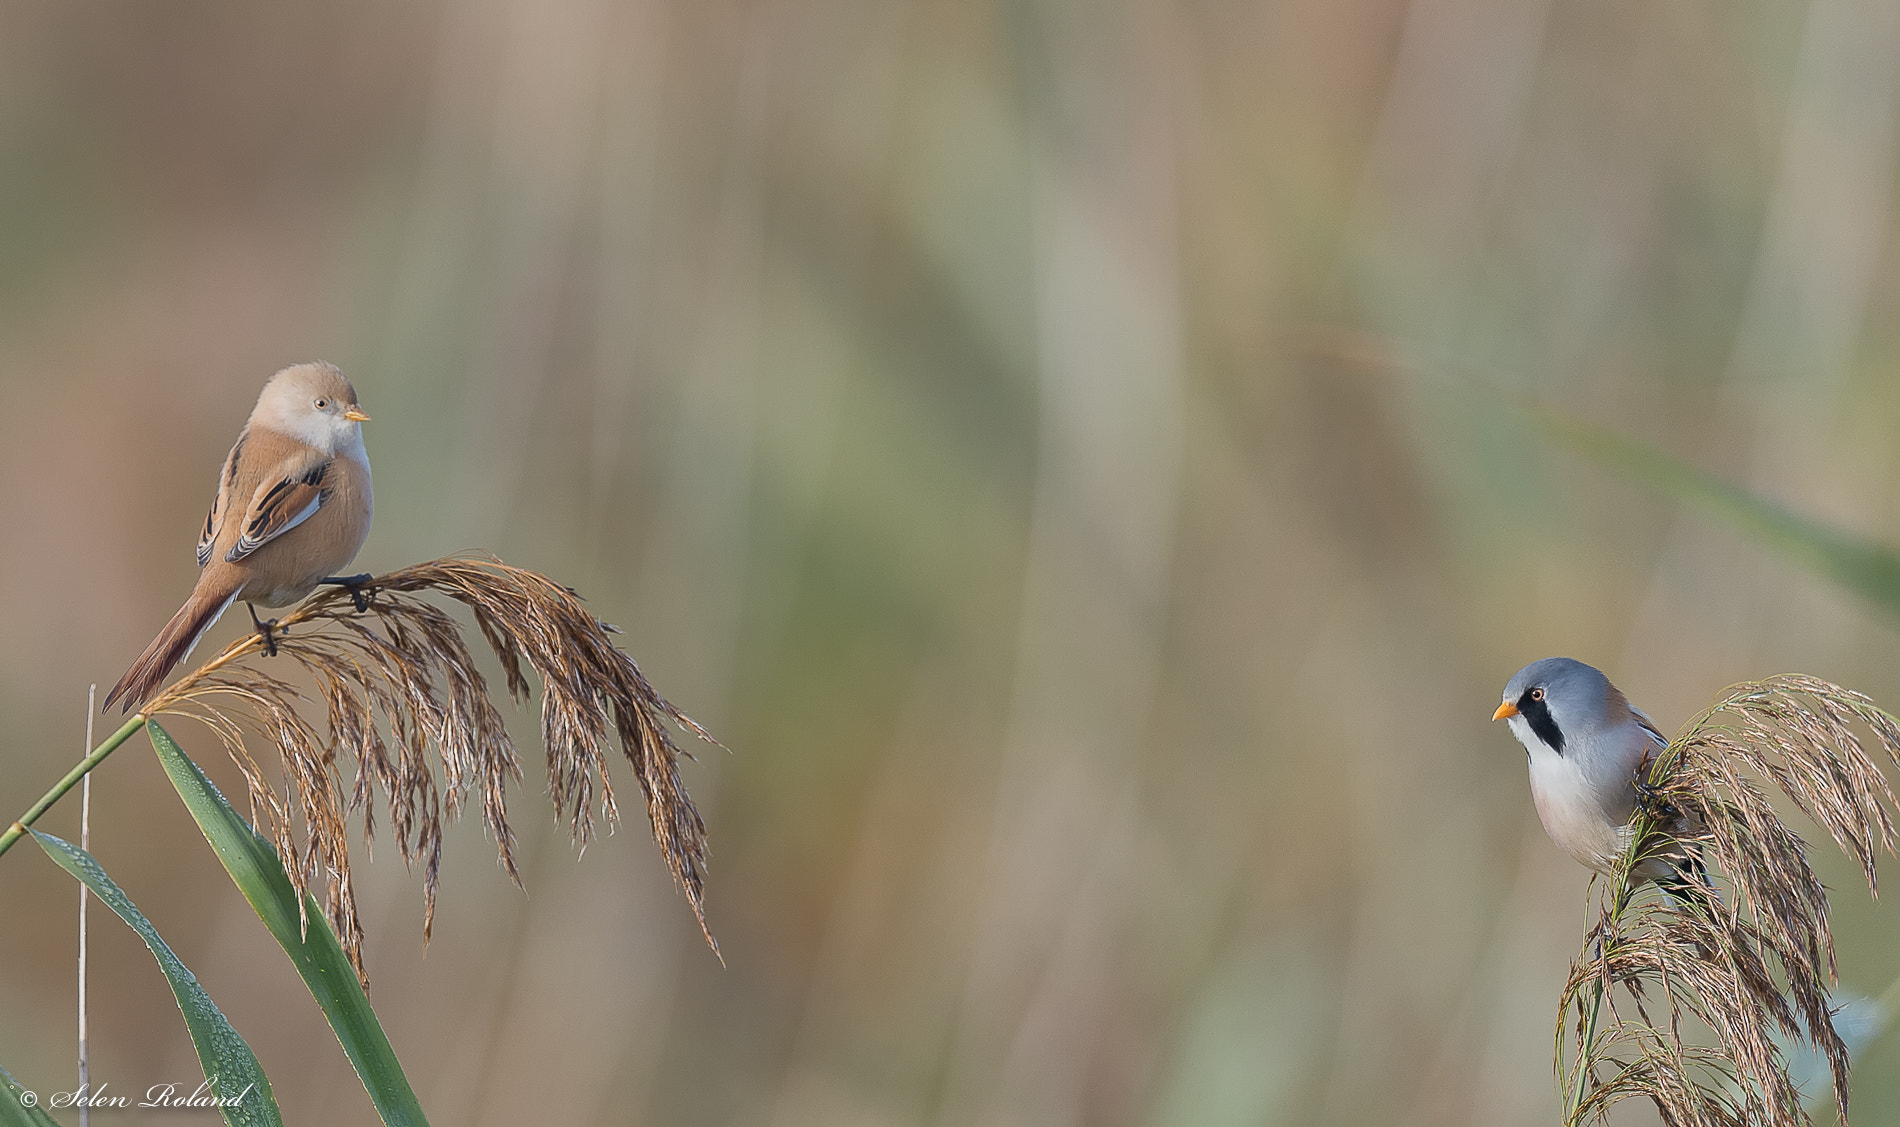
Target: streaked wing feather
<point x="279" y="506"/>
<point x="209" y="535"/>
<point x="227" y="481"/>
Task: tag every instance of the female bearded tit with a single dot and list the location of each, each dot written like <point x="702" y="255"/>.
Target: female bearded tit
<point x="1588" y="747"/>
<point x="293" y="506"/>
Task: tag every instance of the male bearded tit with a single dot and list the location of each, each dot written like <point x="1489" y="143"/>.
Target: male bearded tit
<point x="1588" y="747"/>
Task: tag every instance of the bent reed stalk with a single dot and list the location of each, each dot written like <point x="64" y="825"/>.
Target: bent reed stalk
<point x="1712" y="986"/>
<point x="403" y="698"/>
<point x="80" y="770"/>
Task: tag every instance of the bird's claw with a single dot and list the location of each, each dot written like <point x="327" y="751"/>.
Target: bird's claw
<point x="1650" y="797"/>
<point x="266" y="629"/>
<point x="354" y="585"/>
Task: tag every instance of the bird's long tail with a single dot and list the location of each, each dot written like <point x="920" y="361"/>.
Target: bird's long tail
<point x="170" y="647"/>
<point x="1687" y="884"/>
<point x="1681" y="875"/>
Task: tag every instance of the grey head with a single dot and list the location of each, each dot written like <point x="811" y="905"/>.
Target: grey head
<point x="1560" y="699"/>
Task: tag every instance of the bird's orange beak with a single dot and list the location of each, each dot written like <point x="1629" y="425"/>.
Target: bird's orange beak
<point x="1505" y="709"/>
<point x="356" y="414"/>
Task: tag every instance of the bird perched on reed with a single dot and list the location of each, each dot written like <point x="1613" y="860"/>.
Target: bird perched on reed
<point x="1588" y="747"/>
<point x="292" y="508"/>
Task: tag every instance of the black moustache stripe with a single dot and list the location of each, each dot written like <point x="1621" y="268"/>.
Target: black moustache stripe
<point x="1538" y="714"/>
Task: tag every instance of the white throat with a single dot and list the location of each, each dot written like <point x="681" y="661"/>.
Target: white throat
<point x="350" y="445"/>
<point x="331" y="434"/>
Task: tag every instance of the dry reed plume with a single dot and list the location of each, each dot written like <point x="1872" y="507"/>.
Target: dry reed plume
<point x="1705" y="987"/>
<point x="397" y="681"/>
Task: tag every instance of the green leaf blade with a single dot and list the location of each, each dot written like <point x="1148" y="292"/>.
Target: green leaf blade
<point x="14" y="1111"/>
<point x="1865" y="567"/>
<point x="318" y="957"/>
<point x="229" y="1065"/>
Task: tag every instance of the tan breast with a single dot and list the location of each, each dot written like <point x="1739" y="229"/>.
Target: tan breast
<point x="287" y="568"/>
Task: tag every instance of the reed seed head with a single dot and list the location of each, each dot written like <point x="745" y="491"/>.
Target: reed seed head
<point x="1682" y="1002"/>
<point x="403" y="701"/>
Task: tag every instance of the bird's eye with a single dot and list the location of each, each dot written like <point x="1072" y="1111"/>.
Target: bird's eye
<point x="321" y="404"/>
<point x="1537" y="694"/>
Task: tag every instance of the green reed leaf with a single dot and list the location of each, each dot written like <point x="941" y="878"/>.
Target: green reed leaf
<point x="314" y="949"/>
<point x="15" y="1111"/>
<point x="230" y="1068"/>
<point x="1866" y="567"/>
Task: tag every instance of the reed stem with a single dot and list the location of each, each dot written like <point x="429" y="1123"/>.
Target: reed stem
<point x="1582" y="1075"/>
<point x="18" y="829"/>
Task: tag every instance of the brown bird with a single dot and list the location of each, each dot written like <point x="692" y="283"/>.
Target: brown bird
<point x="292" y="508"/>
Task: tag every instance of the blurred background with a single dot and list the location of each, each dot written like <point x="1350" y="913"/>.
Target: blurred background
<point x="1070" y="452"/>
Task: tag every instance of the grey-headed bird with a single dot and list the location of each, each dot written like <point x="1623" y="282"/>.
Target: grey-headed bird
<point x="293" y="505"/>
<point x="1588" y="746"/>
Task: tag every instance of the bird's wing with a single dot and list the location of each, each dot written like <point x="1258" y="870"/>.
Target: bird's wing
<point x="227" y="481"/>
<point x="282" y="502"/>
<point x="1648" y="725"/>
<point x="210" y="533"/>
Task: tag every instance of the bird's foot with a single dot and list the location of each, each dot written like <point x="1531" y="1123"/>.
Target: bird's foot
<point x="266" y="629"/>
<point x="1650" y="797"/>
<point x="354" y="585"/>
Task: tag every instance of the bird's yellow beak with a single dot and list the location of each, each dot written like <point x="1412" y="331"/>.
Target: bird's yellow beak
<point x="1505" y="709"/>
<point x="356" y="415"/>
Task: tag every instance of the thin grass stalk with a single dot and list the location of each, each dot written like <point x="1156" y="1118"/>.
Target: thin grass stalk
<point x="85" y="893"/>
